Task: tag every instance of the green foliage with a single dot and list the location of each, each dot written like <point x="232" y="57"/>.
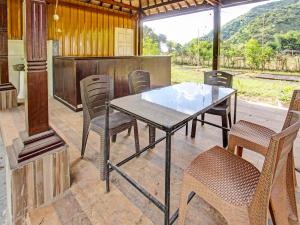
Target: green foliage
<point x="150" y="47"/>
<point x="252" y="53"/>
<point x="256" y="55"/>
<point x="288" y="41"/>
<point x="286" y="93"/>
<point x="152" y="42"/>
<point x="263" y="22"/>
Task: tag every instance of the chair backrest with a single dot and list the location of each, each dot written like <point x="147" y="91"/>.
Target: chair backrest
<point x="218" y="78"/>
<point x="294" y="106"/>
<point x="138" y="81"/>
<point x="95" y="91"/>
<point x="274" y="167"/>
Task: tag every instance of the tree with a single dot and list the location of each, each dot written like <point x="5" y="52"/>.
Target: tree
<point x="288" y="41"/>
<point x="230" y="53"/>
<point x="150" y="47"/>
<point x="252" y="53"/>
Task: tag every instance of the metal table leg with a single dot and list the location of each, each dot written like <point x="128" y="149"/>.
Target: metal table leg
<point x="106" y="147"/>
<point x="167" y="177"/>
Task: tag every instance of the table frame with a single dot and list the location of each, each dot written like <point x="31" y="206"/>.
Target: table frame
<point x="165" y="208"/>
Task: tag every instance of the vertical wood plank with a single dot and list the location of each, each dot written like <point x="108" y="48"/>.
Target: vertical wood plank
<point x="3" y="43"/>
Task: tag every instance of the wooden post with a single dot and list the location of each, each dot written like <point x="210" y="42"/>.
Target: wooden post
<point x="3" y="43"/>
<point x="216" y="41"/>
<point x="38" y="166"/>
<point x="140" y="36"/>
<point x="36" y="59"/>
<point x="39" y="138"/>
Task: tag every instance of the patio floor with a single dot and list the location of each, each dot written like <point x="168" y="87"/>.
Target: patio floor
<point x="87" y="203"/>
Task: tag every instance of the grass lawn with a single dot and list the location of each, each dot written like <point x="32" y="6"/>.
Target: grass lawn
<point x="249" y="88"/>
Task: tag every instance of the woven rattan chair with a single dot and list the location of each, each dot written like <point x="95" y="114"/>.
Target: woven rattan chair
<point x="255" y="137"/>
<point x="223" y="79"/>
<point x="237" y="189"/>
<point x="96" y="90"/>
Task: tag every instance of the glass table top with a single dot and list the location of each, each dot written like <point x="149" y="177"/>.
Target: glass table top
<point x="171" y="105"/>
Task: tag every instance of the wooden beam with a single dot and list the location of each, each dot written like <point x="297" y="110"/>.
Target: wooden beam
<point x="162" y="4"/>
<point x="35" y="43"/>
<point x="217" y="37"/>
<point x="103" y="9"/>
<point x="179" y="12"/>
<point x="120" y="4"/>
<point x="4" y="77"/>
<point x="140" y="37"/>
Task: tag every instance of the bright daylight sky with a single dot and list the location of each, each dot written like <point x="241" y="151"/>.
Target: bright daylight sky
<point x="183" y="28"/>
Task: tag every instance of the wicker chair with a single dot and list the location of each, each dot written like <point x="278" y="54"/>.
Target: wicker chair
<point x="96" y="90"/>
<point x="218" y="78"/>
<point x="237" y="189"/>
<point x="255" y="137"/>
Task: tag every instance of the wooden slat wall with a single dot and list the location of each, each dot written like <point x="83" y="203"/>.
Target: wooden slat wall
<point x="83" y="32"/>
<point x="14" y="19"/>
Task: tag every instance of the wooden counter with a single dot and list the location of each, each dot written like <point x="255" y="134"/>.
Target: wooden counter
<point x="68" y="71"/>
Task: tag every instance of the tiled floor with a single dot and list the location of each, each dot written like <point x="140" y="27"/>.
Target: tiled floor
<point x="87" y="203"/>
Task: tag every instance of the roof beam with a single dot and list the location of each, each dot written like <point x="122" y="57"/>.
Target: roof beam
<point x="162" y="4"/>
<point x="179" y="12"/>
<point x="99" y="9"/>
<point x="120" y="4"/>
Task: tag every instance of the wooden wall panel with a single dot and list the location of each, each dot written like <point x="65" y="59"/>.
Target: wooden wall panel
<point x="14" y="19"/>
<point x="80" y="31"/>
<point x="83" y="32"/>
<point x="4" y="77"/>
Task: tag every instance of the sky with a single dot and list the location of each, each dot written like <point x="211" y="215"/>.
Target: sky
<point x="183" y="28"/>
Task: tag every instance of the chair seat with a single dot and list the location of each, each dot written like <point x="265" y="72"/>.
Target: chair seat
<point x="252" y="136"/>
<point x="230" y="177"/>
<point x="117" y="120"/>
<point x="218" y="110"/>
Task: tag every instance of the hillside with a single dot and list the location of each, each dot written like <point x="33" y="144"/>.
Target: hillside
<point x="269" y="19"/>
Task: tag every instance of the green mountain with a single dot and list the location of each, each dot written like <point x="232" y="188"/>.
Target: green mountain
<point x="263" y="22"/>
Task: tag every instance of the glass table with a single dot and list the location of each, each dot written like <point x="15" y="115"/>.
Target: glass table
<point x="168" y="109"/>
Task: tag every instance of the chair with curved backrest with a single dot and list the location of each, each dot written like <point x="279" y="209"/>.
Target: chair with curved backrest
<point x="223" y="79"/>
<point x="255" y="137"/>
<point x="237" y="189"/>
<point x="96" y="90"/>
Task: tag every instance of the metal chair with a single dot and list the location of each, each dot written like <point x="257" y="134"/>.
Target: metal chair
<point x="237" y="189"/>
<point x="96" y="90"/>
<point x="218" y="78"/>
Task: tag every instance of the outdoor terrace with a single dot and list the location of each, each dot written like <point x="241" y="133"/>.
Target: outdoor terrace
<point x="86" y="201"/>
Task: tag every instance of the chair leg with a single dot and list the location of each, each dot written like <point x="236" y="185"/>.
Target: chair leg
<point x="239" y="151"/>
<point x="114" y="138"/>
<point x="194" y="127"/>
<point x="185" y="191"/>
<point x="291" y="184"/>
<point x="225" y="132"/>
<point x="136" y="137"/>
<point x="129" y="131"/>
<point x="187" y="129"/>
<point x="85" y="135"/>
<point x="152" y="134"/>
<point x="229" y="119"/>
<point x="102" y="162"/>
<point x="202" y="118"/>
